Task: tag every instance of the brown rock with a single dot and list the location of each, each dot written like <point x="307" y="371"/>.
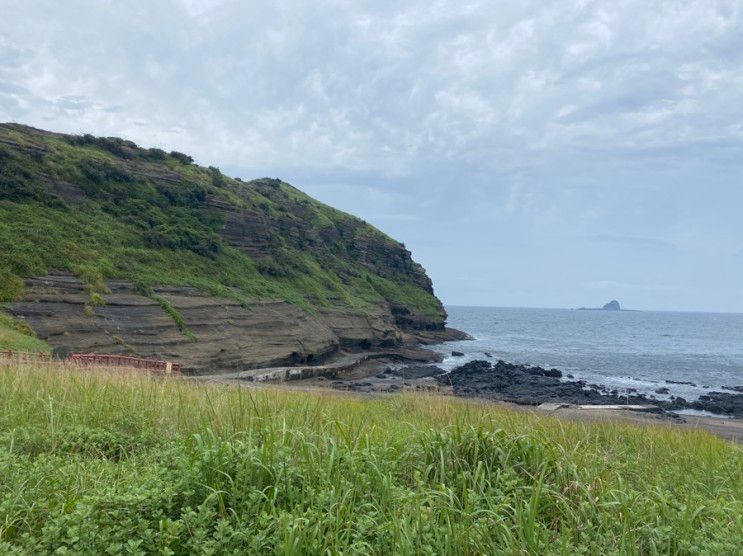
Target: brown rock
<point x="228" y="336"/>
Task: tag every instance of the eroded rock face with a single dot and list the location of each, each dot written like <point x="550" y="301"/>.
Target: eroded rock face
<point x="359" y="288"/>
<point x="252" y="233"/>
<point x="290" y="244"/>
<point x="228" y="336"/>
<point x="361" y="330"/>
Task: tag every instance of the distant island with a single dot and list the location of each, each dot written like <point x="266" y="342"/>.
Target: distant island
<point x="613" y="305"/>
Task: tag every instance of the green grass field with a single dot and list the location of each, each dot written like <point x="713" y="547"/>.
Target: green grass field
<point x="103" y="462"/>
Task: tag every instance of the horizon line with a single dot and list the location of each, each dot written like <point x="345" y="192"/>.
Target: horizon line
<point x="714" y="312"/>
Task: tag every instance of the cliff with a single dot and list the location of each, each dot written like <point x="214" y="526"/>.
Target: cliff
<point x="109" y="247"/>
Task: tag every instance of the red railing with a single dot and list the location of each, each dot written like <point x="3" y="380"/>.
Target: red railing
<point x="166" y="367"/>
<point x="24" y="355"/>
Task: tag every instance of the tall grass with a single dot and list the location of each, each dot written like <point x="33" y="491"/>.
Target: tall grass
<point x="112" y="462"/>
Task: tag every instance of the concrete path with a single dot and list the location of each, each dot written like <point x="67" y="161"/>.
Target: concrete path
<point x="278" y="374"/>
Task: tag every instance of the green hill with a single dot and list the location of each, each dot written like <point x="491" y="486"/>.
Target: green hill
<point x="102" y="209"/>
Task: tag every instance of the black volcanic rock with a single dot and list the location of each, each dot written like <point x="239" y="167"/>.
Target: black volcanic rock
<point x="527" y="385"/>
<point x="733" y="388"/>
<point x="722" y="403"/>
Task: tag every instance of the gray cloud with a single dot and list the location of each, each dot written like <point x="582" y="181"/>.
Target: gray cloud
<point x="463" y="129"/>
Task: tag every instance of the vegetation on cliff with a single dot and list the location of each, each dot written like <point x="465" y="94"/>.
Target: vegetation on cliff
<point x="17" y="335"/>
<point x="105" y="208"/>
<point x="99" y="463"/>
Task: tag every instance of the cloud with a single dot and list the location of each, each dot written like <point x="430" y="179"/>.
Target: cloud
<point x="386" y="87"/>
<point x="523" y="121"/>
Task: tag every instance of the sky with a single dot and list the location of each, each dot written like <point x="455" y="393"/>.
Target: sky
<point x="529" y="153"/>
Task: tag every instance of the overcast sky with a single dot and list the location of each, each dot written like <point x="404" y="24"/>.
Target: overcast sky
<point x="545" y="153"/>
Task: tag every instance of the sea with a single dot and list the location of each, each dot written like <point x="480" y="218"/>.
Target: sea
<point x="640" y="350"/>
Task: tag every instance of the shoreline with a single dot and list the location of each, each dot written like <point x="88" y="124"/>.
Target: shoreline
<point x="730" y="429"/>
<point x="414" y="370"/>
<point x="534" y="385"/>
<point x="343" y="362"/>
<point x="382" y="374"/>
<point x="523" y="384"/>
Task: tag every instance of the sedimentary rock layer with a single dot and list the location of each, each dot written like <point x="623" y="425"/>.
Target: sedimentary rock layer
<point x="218" y="334"/>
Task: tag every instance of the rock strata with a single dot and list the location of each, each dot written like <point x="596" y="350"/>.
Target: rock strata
<point x="218" y="335"/>
<point x="278" y="278"/>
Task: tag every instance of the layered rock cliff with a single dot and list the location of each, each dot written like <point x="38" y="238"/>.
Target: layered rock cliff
<point x="108" y="247"/>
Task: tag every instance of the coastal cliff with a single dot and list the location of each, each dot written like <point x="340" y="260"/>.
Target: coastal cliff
<point x="109" y="247"/>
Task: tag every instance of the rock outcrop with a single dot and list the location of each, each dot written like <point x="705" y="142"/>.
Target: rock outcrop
<point x="613" y="305"/>
<point x="221" y="333"/>
<point x="533" y="385"/>
<point x="109" y="247"/>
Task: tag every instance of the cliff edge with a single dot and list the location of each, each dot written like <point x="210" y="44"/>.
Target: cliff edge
<point x="109" y="247"/>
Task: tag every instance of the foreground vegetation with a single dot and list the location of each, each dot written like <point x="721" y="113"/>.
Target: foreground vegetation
<point x="108" y="462"/>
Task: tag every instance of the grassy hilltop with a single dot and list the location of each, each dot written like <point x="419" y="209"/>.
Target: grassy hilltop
<point x="104" y="208"/>
<point x="94" y="463"/>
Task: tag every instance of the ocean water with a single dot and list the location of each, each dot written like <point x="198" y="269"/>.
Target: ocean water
<point x="625" y="349"/>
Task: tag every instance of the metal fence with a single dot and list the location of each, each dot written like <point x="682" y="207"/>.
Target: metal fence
<point x="25" y="356"/>
<point x="154" y="365"/>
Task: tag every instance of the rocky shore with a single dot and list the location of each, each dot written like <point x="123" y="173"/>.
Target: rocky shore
<point x="520" y="384"/>
<point x="168" y="260"/>
<point x="527" y="385"/>
<point x="224" y="335"/>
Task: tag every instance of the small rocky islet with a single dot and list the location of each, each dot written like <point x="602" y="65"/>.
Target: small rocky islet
<point x="613" y="305"/>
